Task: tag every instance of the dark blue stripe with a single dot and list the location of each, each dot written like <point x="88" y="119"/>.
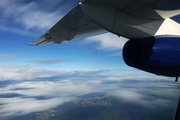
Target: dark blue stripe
<point x="176" y="18"/>
<point x="168" y="5"/>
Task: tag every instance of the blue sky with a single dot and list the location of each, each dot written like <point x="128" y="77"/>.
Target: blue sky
<point x="89" y="64"/>
<point x="26" y="21"/>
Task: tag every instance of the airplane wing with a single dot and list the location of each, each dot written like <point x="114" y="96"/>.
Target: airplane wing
<point x="127" y="18"/>
<point x="74" y="25"/>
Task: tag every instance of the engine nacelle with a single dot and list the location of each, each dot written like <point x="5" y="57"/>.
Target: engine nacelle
<point x="158" y="55"/>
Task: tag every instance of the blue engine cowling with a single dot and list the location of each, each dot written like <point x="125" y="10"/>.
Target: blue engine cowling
<point x="158" y="55"/>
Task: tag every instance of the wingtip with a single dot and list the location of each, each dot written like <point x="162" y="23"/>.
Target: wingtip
<point x="31" y="44"/>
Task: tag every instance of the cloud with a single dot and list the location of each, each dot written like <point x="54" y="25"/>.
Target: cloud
<point x="56" y="92"/>
<point x="17" y="30"/>
<point x="49" y="89"/>
<point x="20" y="106"/>
<point x="48" y="61"/>
<point x="25" y="72"/>
<point x="51" y="92"/>
<point x="107" y="41"/>
<point x="33" y="18"/>
<point x="28" y="17"/>
<point x="22" y="74"/>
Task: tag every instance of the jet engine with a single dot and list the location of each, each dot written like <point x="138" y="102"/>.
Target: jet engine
<point x="159" y="55"/>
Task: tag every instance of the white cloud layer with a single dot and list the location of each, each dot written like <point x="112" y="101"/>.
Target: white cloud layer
<point x="148" y="91"/>
<point x="13" y="106"/>
<point x="108" y="41"/>
<point x="25" y="72"/>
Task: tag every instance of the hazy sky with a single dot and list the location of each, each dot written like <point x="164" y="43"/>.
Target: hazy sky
<point x="74" y="68"/>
